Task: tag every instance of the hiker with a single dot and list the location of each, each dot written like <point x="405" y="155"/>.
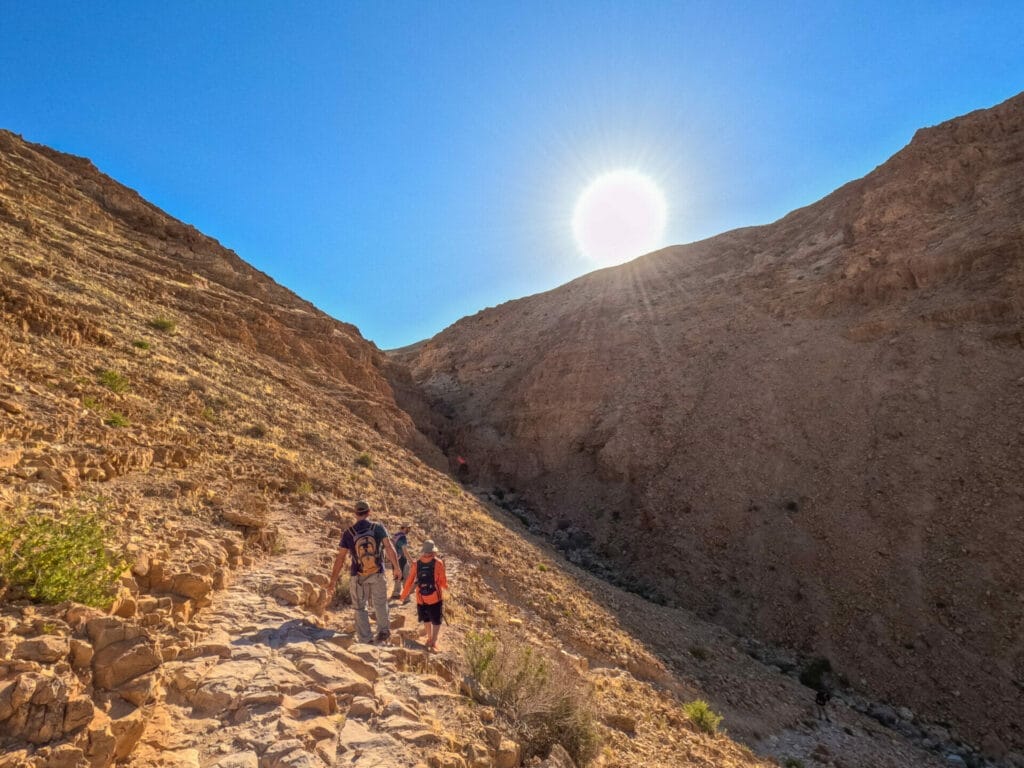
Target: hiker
<point x="367" y="543"/>
<point x="429" y="579"/>
<point x="401" y="547"/>
<point x="821" y="700"/>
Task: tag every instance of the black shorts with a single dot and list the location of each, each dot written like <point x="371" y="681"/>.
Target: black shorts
<point x="430" y="614"/>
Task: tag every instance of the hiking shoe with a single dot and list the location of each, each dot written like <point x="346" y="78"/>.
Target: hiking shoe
<point x="382" y="637"/>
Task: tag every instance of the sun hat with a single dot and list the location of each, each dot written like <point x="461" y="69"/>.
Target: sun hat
<point x="428" y="548"/>
<point x="362" y="508"/>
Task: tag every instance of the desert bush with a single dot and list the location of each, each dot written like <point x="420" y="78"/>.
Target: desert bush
<point x="57" y="559"/>
<point x="164" y="324"/>
<point x="792" y="762"/>
<point x="303" y="488"/>
<point x="542" y="698"/>
<point x="91" y="403"/>
<point x="113" y="381"/>
<point x="140" y="344"/>
<point x="256" y="430"/>
<point x="116" y="419"/>
<point x="365" y="460"/>
<point x="703" y="716"/>
<point x="699" y="652"/>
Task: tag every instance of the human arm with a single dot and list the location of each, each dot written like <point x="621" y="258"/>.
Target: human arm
<point x="409" y="582"/>
<point x="339" y="563"/>
<point x="389" y="550"/>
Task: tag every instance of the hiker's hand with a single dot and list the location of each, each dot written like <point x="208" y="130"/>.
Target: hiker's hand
<point x="398" y="575"/>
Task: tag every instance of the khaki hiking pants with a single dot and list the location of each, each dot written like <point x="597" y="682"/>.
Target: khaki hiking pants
<point x="371" y="589"/>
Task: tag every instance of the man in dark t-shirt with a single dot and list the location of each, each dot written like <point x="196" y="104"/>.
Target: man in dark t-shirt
<point x="367" y="543"/>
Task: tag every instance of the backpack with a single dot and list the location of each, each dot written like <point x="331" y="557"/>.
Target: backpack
<point x="366" y="551"/>
<point x="425" y="577"/>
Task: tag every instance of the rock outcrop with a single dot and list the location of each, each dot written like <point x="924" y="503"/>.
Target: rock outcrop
<point x="217" y="430"/>
<point x="808" y="431"/>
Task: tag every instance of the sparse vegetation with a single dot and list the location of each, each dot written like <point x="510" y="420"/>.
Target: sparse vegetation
<point x="304" y="488"/>
<point x="116" y="419"/>
<point x="313" y="438"/>
<point x="113" y="381"/>
<point x="699" y="652"/>
<point x="365" y="460"/>
<point x="792" y="762"/>
<point x="163" y="324"/>
<point x="542" y="699"/>
<point x="140" y="344"/>
<point x="90" y="402"/>
<point x="703" y="716"/>
<point x="256" y="430"/>
<point x="57" y="559"/>
<point x="208" y="414"/>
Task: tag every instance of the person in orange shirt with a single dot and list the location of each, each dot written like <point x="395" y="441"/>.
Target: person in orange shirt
<point x="429" y="579"/>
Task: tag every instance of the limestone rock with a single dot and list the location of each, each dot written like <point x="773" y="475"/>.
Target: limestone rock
<point x="124" y="660"/>
<point x="46" y="649"/>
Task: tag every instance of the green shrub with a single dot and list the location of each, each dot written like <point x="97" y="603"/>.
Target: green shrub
<point x="164" y="324"/>
<point x="113" y="381"/>
<point x="703" y="716"/>
<point x="90" y="402"/>
<point x="699" y="652"/>
<point x="116" y="419"/>
<point x="140" y="344"/>
<point x="542" y="699"/>
<point x="792" y="762"/>
<point x="65" y="558"/>
<point x="365" y="460"/>
<point x="304" y="488"/>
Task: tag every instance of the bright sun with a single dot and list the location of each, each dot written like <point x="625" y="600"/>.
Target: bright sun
<point x="619" y="216"/>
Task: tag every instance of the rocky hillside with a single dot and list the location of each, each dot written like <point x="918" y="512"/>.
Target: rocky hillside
<point x="215" y="429"/>
<point x="808" y="432"/>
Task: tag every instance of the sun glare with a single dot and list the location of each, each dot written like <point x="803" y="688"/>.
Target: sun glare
<point x="619" y="216"/>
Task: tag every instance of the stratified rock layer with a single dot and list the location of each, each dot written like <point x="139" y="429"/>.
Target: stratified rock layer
<point x="810" y="431"/>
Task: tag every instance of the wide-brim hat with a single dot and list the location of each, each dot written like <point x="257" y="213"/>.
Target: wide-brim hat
<point x="362" y="508"/>
<point x="428" y="548"/>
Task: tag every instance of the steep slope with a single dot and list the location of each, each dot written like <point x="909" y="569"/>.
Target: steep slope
<point x="809" y="431"/>
<point x="221" y="428"/>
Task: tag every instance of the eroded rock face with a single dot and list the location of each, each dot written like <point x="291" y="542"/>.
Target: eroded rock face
<point x="808" y="431"/>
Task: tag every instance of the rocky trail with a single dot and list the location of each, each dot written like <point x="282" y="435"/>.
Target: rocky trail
<point x="277" y="681"/>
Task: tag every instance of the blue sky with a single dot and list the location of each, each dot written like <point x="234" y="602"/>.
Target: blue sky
<point x="404" y="164"/>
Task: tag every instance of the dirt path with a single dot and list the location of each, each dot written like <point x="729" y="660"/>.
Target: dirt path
<point x="272" y="681"/>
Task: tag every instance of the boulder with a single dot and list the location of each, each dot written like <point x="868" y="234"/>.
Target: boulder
<point x="558" y="758"/>
<point x="191" y="585"/>
<point x="125" y="660"/>
<point x="246" y="518"/>
<point x="45" y="649"/>
<point x="508" y="754"/>
<point x="238" y="760"/>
